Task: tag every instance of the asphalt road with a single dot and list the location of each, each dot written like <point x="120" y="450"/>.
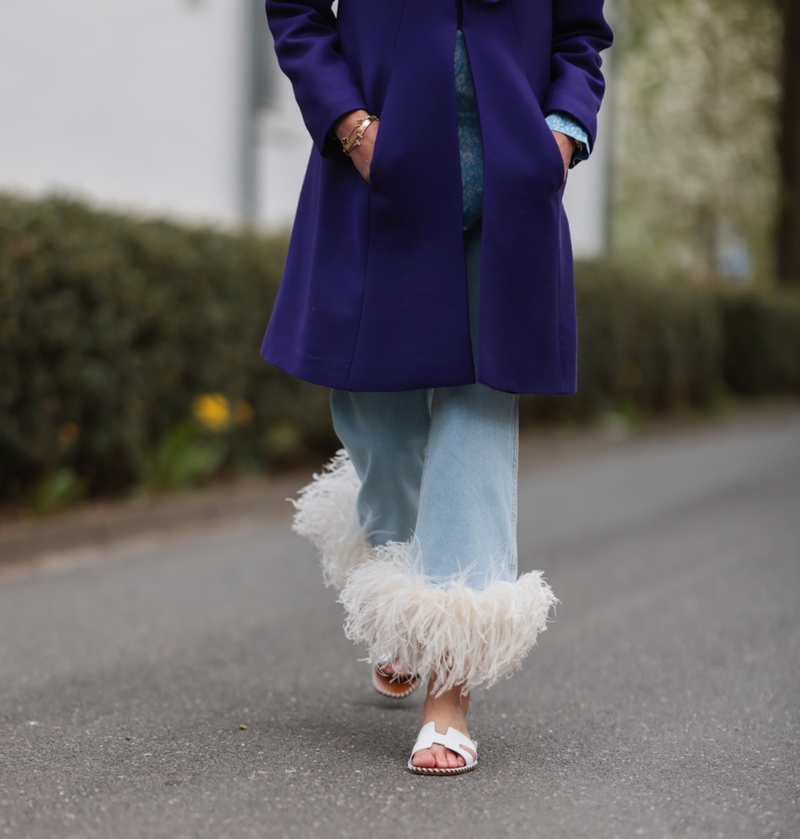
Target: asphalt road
<point x="663" y="701"/>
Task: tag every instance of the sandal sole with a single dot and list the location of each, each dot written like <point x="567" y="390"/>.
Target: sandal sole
<point x="460" y="770"/>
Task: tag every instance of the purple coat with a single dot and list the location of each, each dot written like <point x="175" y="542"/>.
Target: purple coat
<point x="374" y="292"/>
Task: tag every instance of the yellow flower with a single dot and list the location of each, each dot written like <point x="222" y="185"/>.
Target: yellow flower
<point x="213" y="410"/>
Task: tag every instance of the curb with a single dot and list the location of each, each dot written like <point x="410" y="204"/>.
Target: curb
<point x="106" y="522"/>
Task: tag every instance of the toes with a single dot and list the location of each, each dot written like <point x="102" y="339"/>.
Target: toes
<point x="454" y="760"/>
<point x="445" y="759"/>
<point x="437" y="757"/>
<point x="424" y="759"/>
<point x="392" y="669"/>
<point x="442" y="761"/>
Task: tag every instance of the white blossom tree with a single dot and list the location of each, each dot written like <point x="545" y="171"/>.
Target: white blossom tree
<point x="696" y="160"/>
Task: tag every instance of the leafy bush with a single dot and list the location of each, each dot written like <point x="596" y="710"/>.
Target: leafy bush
<point x="641" y="346"/>
<point x="762" y="343"/>
<point x="110" y="327"/>
<point x="182" y="458"/>
<point x="116" y="332"/>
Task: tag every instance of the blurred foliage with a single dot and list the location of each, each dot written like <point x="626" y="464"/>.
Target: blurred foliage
<point x="183" y="458"/>
<point x="762" y="342"/>
<point x="111" y="327"/>
<point x="55" y="492"/>
<point x="129" y="354"/>
<point x="643" y="347"/>
<point x="696" y="163"/>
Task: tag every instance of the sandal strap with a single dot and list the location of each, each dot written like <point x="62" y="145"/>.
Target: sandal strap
<point x="453" y="740"/>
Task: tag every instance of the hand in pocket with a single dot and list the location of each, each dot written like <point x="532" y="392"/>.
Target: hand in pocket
<point x="567" y="146"/>
<point x="362" y="154"/>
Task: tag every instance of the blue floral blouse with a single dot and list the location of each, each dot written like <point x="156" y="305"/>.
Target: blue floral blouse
<point x="469" y="136"/>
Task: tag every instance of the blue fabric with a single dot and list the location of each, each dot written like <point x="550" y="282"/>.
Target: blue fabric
<point x="438" y="468"/>
<point x="372" y="297"/>
<point x="469" y="137"/>
<point x="563" y="123"/>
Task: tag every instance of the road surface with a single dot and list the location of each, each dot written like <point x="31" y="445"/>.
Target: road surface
<point x="200" y="685"/>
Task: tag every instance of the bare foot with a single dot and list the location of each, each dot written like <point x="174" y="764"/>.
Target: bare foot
<point x="446" y="711"/>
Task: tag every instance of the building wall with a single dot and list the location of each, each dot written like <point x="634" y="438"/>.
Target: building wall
<point x="132" y="103"/>
<point x="282" y="147"/>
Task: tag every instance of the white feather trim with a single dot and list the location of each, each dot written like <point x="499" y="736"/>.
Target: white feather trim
<point x="326" y="515"/>
<point x="466" y="637"/>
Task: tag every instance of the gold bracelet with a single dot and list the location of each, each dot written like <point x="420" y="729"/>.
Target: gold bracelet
<point x="354" y="139"/>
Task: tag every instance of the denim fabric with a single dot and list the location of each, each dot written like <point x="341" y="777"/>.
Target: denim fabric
<point x="439" y="467"/>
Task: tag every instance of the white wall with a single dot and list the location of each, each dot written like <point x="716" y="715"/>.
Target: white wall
<point x="284" y="146"/>
<point x="131" y="103"/>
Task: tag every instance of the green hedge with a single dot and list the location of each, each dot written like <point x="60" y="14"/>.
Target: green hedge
<point x="762" y="343"/>
<point x="111" y="327"/>
<point x="641" y="346"/>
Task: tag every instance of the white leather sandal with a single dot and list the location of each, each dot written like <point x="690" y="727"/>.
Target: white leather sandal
<point x="393" y="686"/>
<point x="453" y="740"/>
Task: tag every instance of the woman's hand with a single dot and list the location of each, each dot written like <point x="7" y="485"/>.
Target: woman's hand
<point x="362" y="154"/>
<point x="567" y="146"/>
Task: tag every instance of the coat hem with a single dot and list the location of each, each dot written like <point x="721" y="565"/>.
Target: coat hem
<point x="325" y="373"/>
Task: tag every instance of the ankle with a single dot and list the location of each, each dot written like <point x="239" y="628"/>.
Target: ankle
<point x="449" y="706"/>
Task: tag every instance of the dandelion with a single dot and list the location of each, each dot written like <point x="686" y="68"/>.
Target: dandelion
<point x="213" y="410"/>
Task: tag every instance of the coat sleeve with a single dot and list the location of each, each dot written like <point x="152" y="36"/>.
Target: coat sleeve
<point x="306" y="43"/>
<point x="580" y="32"/>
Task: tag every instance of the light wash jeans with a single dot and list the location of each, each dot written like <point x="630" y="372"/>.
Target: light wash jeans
<point x="438" y="467"/>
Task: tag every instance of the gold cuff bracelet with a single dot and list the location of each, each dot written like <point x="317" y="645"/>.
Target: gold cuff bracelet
<point x="354" y="139"/>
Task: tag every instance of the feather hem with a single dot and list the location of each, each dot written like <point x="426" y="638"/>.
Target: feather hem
<point x="466" y="637"/>
<point x="326" y="515"/>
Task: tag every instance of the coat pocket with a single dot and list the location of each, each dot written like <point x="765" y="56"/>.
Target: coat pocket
<point x="553" y="150"/>
<point x="374" y="166"/>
